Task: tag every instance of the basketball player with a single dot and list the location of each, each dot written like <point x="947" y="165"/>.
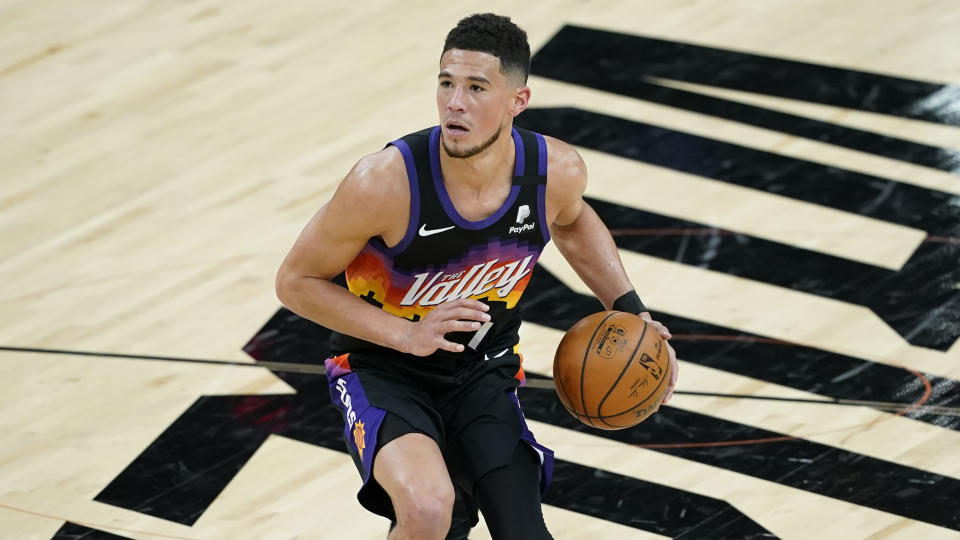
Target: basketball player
<point x="438" y="234"/>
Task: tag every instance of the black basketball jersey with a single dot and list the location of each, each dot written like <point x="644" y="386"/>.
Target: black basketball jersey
<point x="444" y="257"/>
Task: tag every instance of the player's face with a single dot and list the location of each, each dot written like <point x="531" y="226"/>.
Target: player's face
<point x="475" y="101"/>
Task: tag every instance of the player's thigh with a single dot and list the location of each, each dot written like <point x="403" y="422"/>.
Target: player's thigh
<point x="411" y="470"/>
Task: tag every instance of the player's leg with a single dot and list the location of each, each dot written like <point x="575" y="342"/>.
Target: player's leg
<point x="391" y="436"/>
<point x="461" y="522"/>
<point x="509" y="498"/>
<point x="491" y="451"/>
<point x="411" y="470"/>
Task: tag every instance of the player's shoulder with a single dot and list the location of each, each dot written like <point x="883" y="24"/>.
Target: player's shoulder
<point x="565" y="166"/>
<point x="376" y="181"/>
<point x="379" y="172"/>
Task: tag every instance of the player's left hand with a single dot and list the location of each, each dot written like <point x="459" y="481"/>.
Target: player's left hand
<point x="671" y="354"/>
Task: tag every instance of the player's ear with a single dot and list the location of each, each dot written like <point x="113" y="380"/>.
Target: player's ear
<point x="521" y="97"/>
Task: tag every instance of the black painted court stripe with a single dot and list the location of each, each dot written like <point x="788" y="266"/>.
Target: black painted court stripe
<point x="646" y="505"/>
<point x="616" y="62"/>
<point x="550" y="303"/>
<point x="178" y="476"/>
<point x="181" y="473"/>
<point x="936" y="212"/>
<point x="944" y="159"/>
<point x="809" y="466"/>
<point x="915" y="300"/>
<point x="74" y="531"/>
<point x="599" y="76"/>
<point x="798" y="463"/>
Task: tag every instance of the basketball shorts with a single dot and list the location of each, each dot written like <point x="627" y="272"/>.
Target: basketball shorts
<point x="471" y="411"/>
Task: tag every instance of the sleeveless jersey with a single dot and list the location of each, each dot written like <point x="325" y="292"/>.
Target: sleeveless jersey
<point x="444" y="257"/>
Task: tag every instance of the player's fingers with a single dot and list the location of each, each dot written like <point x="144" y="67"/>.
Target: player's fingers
<point x="468" y="303"/>
<point x="657" y="325"/>
<point x="672" y="356"/>
<point x="664" y="333"/>
<point x="674" y="366"/>
<point x="467" y="313"/>
<point x="460" y="326"/>
<point x="475" y="304"/>
<point x="449" y="345"/>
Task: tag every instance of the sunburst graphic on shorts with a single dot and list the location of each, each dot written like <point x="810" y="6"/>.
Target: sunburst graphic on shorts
<point x="358" y="437"/>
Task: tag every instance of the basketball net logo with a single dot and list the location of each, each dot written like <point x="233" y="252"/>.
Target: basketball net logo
<point x="479" y="279"/>
<point x="359" y="435"/>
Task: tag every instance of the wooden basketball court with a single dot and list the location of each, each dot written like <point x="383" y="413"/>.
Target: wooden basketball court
<point x="782" y="179"/>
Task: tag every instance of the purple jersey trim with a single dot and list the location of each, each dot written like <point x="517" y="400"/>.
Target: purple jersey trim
<point x="411" y="165"/>
<point x="542" y="152"/>
<point x="542" y="189"/>
<point x="542" y="205"/>
<point x="444" y="197"/>
<point x="349" y="397"/>
<point x="546" y="454"/>
<point x="518" y="161"/>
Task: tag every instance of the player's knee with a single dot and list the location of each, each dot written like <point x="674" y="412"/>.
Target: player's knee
<point x="428" y="512"/>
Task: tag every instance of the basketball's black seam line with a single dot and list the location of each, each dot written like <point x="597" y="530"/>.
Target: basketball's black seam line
<point x="624" y="370"/>
<point x="662" y="379"/>
<point x="586" y="353"/>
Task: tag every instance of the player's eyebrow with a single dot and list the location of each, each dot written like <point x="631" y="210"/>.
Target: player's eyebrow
<point x="477" y="78"/>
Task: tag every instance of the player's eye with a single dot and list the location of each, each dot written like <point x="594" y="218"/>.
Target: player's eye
<point x="476" y="88"/>
<point x="445" y="84"/>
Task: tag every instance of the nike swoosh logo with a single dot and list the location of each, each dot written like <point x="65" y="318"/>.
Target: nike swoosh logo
<point x="425" y="232"/>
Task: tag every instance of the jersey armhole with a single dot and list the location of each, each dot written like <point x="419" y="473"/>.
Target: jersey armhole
<point x="414" y="183"/>
<point x="542" y="188"/>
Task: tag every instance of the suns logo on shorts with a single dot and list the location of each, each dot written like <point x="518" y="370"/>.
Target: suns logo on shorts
<point x="359" y="437"/>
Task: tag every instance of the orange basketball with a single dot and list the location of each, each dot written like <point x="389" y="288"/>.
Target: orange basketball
<point x="611" y="370"/>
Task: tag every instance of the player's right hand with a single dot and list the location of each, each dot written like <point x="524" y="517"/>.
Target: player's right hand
<point x="426" y="336"/>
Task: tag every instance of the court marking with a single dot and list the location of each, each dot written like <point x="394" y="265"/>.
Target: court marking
<point x="91" y="525"/>
<point x="898" y="408"/>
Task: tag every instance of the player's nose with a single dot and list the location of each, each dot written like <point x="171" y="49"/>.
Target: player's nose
<point x="456" y="101"/>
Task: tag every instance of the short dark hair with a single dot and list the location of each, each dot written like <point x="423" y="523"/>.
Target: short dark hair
<point x="495" y="35"/>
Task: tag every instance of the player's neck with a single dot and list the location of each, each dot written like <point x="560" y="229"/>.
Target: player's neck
<point x="476" y="172"/>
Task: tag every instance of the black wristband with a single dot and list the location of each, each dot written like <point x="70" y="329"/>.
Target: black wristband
<point x="630" y="303"/>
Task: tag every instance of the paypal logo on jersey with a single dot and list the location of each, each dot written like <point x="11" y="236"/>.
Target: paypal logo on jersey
<point x="522" y="213"/>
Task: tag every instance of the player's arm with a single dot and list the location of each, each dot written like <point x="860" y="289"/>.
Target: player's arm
<point x="372" y="200"/>
<point x="586" y="243"/>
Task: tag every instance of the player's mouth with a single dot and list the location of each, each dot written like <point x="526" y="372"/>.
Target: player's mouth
<point x="455" y="129"/>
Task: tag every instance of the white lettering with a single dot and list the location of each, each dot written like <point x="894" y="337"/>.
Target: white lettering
<point x="511" y="278"/>
<point x="478" y="279"/>
<point x="416" y="291"/>
<point x="488" y="280"/>
<point x="458" y="292"/>
<point x="516" y="230"/>
<point x="437" y="293"/>
<point x="345" y="399"/>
